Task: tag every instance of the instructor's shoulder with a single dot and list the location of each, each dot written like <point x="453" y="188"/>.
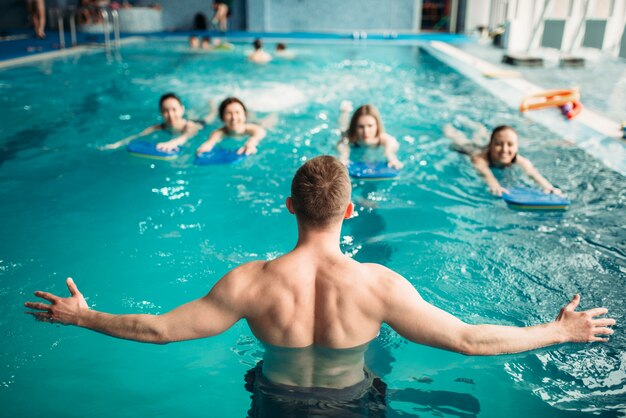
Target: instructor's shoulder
<point x="382" y="273"/>
<point x="240" y="279"/>
<point x="391" y="286"/>
<point x="246" y="269"/>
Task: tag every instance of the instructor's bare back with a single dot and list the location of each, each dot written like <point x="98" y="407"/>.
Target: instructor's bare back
<point x="315" y="309"/>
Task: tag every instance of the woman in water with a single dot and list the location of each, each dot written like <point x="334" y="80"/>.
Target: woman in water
<point x="365" y="130"/>
<point x="500" y="152"/>
<point x="172" y="112"/>
<point x="233" y="113"/>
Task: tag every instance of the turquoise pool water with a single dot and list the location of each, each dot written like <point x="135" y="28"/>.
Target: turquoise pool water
<point x="144" y="236"/>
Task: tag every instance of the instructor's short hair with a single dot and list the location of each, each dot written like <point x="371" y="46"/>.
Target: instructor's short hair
<point x="320" y="191"/>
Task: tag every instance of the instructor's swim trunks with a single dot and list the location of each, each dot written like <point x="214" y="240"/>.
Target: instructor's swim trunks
<point x="364" y="399"/>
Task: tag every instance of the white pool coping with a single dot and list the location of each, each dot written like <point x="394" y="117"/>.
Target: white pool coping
<point x="590" y="131"/>
<point x="61" y="53"/>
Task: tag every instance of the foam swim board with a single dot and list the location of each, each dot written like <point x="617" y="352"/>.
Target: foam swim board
<point x="371" y="170"/>
<point x="532" y="199"/>
<point x="502" y="74"/>
<point x="225" y="46"/>
<point x="149" y="150"/>
<point x="219" y="156"/>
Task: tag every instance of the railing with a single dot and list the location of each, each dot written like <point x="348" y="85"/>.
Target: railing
<point x="110" y="22"/>
<point x="60" y="13"/>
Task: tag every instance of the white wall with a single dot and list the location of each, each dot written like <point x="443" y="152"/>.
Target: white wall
<point x="521" y="21"/>
<point x="615" y="26"/>
<point x="523" y="16"/>
<point x="476" y="14"/>
<point x="330" y="15"/>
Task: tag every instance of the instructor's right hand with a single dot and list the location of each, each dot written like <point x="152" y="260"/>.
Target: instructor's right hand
<point x="65" y="311"/>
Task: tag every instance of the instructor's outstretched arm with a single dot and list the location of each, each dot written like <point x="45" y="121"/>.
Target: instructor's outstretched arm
<point x="421" y="322"/>
<point x="204" y="317"/>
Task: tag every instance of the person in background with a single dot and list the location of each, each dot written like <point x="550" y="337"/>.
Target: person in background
<point x="205" y="43"/>
<point x="89" y="11"/>
<point x="233" y="113"/>
<point x="282" y="52"/>
<point x="222" y="10"/>
<point x="199" y="22"/>
<point x="259" y="56"/>
<point x="194" y="42"/>
<point x="37" y="15"/>
<point x="500" y="152"/>
<point x="215" y="44"/>
<point x="172" y="111"/>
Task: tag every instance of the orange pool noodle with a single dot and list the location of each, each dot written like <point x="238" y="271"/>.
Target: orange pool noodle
<point x="549" y="98"/>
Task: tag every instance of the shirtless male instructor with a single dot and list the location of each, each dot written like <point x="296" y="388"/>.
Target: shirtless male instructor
<point x="315" y="309"/>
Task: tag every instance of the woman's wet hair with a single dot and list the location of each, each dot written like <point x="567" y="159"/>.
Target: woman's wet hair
<point x="226" y="102"/>
<point x="169" y="96"/>
<point x="281" y="46"/>
<point x="497" y="130"/>
<point x="320" y="191"/>
<point x="365" y="110"/>
<point x="258" y="44"/>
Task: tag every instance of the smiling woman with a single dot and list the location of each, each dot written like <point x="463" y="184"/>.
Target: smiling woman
<point x="233" y="113"/>
<point x="172" y="112"/>
<point x="500" y="152"/>
<point x="366" y="130"/>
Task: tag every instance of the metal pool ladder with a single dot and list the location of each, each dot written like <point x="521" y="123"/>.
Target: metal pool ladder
<point x="60" y="15"/>
<point x="110" y="20"/>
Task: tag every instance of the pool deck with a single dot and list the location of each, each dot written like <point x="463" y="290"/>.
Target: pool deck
<point x="597" y="129"/>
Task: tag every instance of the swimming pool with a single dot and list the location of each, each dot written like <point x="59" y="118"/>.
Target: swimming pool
<point x="144" y="236"/>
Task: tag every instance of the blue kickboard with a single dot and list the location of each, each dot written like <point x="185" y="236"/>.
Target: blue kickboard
<point x="372" y="171"/>
<point x="534" y="199"/>
<point x="149" y="150"/>
<point x="219" y="156"/>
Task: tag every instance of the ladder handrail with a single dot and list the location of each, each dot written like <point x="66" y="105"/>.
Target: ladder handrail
<point x="110" y="19"/>
<point x="106" y="31"/>
<point x="59" y="15"/>
<point x="72" y="11"/>
<point x="116" y="29"/>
